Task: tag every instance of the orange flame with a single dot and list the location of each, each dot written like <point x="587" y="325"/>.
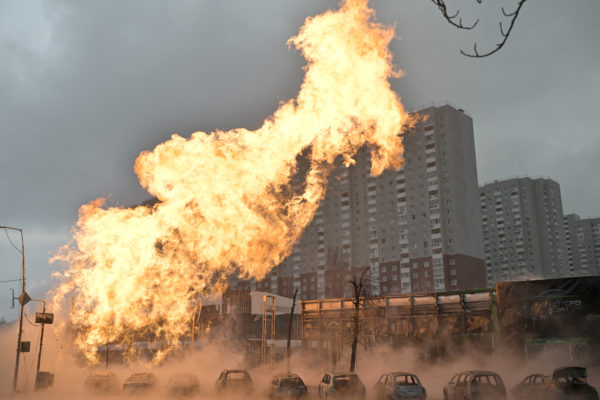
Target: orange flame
<point x="225" y="201"/>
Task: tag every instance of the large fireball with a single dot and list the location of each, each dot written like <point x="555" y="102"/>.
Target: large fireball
<point x="225" y="203"/>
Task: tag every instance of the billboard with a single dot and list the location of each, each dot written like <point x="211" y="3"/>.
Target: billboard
<point x="550" y="310"/>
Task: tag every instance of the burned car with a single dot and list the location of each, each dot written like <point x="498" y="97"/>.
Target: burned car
<point x="101" y="382"/>
<point x="234" y="380"/>
<point x="474" y="385"/>
<point x="181" y="385"/>
<point x="399" y="386"/>
<point x="289" y="386"/>
<point x="342" y="385"/>
<point x="572" y="382"/>
<point x="139" y="383"/>
<point x="564" y="384"/>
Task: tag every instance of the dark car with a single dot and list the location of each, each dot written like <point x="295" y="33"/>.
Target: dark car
<point x="139" y="383"/>
<point x="101" y="382"/>
<point x="475" y="385"/>
<point x="341" y="385"/>
<point x="234" y="380"/>
<point x="289" y="386"/>
<point x="399" y="386"/>
<point x="181" y="385"/>
<point x="572" y="382"/>
<point x="564" y="384"/>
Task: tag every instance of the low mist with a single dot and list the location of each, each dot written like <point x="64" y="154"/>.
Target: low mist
<point x="207" y="362"/>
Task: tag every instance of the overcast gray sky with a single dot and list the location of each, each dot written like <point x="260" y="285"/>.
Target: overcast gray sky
<point x="86" y="86"/>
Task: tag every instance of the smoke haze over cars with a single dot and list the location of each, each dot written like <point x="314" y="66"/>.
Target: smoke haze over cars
<point x="208" y="362"/>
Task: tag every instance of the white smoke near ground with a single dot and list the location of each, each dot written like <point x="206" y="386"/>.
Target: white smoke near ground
<point x="211" y="358"/>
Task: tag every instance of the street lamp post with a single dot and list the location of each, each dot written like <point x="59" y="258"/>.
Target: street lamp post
<point x="23" y="299"/>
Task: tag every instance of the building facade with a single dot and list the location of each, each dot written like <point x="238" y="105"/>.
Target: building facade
<point x="523" y="229"/>
<point x="583" y="245"/>
<point x="416" y="230"/>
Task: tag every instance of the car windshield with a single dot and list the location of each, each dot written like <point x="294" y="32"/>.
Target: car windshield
<point x="571" y="379"/>
<point x="237" y="375"/>
<point x="406" y="380"/>
<point x="140" y="377"/>
<point x="346" y="381"/>
<point x="291" y="382"/>
<point x="485" y="380"/>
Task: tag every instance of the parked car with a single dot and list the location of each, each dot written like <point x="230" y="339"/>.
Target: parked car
<point x="536" y="387"/>
<point x="139" y="383"/>
<point x="572" y="382"/>
<point x="342" y="385"/>
<point x="399" y="386"/>
<point x="234" y="380"/>
<point x="101" y="382"/>
<point x="287" y="386"/>
<point x="181" y="385"/>
<point x="475" y="385"/>
<point x="564" y="384"/>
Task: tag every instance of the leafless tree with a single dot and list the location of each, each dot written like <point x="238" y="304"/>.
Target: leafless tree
<point x="456" y="21"/>
<point x="360" y="285"/>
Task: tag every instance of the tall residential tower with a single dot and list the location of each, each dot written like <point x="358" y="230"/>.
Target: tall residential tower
<point x="583" y="245"/>
<point x="523" y="229"/>
<point x="416" y="230"/>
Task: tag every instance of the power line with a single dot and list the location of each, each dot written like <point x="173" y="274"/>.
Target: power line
<point x="11" y="242"/>
<point x="11" y="280"/>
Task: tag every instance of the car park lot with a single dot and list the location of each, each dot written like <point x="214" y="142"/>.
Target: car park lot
<point x="108" y="383"/>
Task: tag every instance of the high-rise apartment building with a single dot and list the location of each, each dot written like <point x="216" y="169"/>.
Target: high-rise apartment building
<point x="583" y="245"/>
<point x="523" y="229"/>
<point x="416" y="230"/>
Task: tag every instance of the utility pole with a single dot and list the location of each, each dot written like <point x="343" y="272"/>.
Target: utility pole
<point x="195" y="319"/>
<point x="289" y="338"/>
<point x="37" y="372"/>
<point x="23" y="299"/>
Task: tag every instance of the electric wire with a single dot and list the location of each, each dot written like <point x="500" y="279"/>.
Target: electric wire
<point x="11" y="242"/>
<point x="11" y="280"/>
<point x="27" y="318"/>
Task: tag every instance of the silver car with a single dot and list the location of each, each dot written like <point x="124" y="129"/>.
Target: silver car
<point x="341" y="385"/>
<point x="288" y="386"/>
<point x="399" y="386"/>
<point x="140" y="383"/>
<point x="475" y="385"/>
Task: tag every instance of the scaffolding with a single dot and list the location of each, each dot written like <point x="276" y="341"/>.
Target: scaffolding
<point x="268" y="326"/>
<point x="434" y="321"/>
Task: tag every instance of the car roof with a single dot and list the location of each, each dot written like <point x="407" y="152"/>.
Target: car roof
<point x="566" y="371"/>
<point x="478" y="372"/>
<point x="284" y="375"/>
<point x="337" y="373"/>
<point x="102" y="374"/>
<point x="235" y="370"/>
<point x="400" y="373"/>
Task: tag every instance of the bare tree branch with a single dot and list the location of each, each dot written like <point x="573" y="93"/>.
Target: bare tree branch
<point x="514" y="15"/>
<point x="452" y="19"/>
